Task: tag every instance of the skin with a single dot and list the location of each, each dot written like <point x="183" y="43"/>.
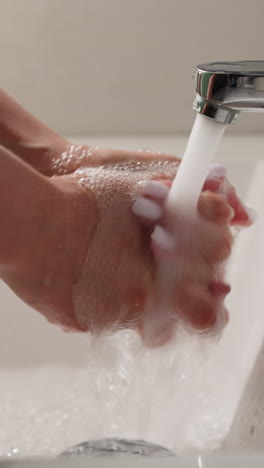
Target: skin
<point x="71" y="245"/>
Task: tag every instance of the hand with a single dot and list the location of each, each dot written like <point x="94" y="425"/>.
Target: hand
<point x="71" y="246"/>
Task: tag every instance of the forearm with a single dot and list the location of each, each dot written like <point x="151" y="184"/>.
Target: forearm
<point x="26" y="136"/>
<point x="18" y="126"/>
<point x="23" y="196"/>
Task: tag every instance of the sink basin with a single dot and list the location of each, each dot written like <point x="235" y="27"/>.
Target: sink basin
<point x="60" y="389"/>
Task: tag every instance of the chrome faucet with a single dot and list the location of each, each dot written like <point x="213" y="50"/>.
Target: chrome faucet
<point x="224" y="89"/>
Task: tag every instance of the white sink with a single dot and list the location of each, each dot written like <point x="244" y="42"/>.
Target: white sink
<point x="59" y="389"/>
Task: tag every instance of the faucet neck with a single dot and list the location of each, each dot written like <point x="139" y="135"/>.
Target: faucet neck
<point x="224" y="89"/>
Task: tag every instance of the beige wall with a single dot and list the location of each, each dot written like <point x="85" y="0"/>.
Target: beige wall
<point x="121" y="66"/>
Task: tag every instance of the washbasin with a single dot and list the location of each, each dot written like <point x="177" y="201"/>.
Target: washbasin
<point x="59" y="389"/>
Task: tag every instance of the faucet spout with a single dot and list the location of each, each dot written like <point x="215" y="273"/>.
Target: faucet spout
<point x="224" y="89"/>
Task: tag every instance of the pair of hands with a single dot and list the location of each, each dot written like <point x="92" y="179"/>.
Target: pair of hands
<point x="75" y="242"/>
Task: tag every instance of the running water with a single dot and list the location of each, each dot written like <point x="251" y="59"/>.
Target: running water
<point x="200" y="151"/>
<point x="184" y="229"/>
<point x="124" y="391"/>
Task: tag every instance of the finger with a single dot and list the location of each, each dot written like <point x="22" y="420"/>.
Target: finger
<point x="162" y="242"/>
<point x="156" y="190"/>
<point x="215" y="208"/>
<point x="156" y="335"/>
<point x="147" y="210"/>
<point x="25" y="135"/>
<point x="216" y="171"/>
<point x="216" y="245"/>
<point x="218" y="288"/>
<point x="136" y="159"/>
<point x="242" y="215"/>
<point x="148" y="207"/>
<point x="196" y="306"/>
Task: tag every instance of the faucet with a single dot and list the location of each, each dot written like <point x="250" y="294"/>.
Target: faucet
<point x="224" y="89"/>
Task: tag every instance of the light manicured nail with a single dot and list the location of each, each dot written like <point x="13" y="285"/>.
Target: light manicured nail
<point x="216" y="170"/>
<point x="252" y="214"/>
<point x="163" y="239"/>
<point x="155" y="189"/>
<point x="147" y="209"/>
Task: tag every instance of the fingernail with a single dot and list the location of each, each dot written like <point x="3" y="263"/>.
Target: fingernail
<point x="163" y="239"/>
<point x="252" y="214"/>
<point x="146" y="209"/>
<point x="155" y="189"/>
<point x="218" y="288"/>
<point x="216" y="170"/>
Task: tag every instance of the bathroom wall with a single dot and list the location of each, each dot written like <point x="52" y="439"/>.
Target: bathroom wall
<point x="121" y="66"/>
